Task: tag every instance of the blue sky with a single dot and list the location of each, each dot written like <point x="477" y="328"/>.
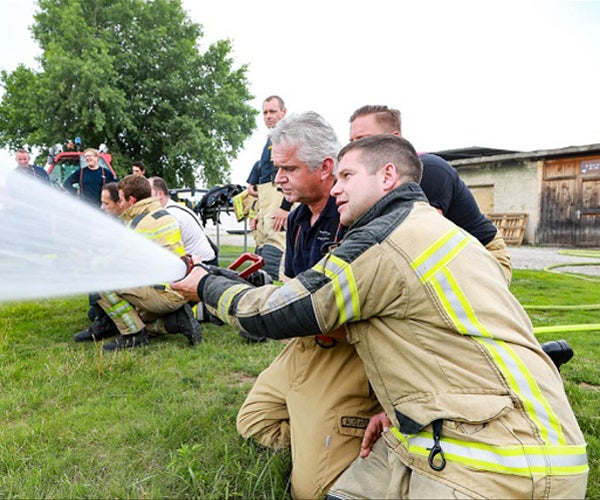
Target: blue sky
<point x="515" y="75"/>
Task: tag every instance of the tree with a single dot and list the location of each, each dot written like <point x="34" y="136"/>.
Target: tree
<point x="130" y="73"/>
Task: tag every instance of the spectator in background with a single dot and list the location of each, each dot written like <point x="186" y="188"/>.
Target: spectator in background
<point x="195" y="240"/>
<point x="109" y="199"/>
<point x="24" y="167"/>
<point x="138" y="168"/>
<point x="272" y="208"/>
<point x="87" y="182"/>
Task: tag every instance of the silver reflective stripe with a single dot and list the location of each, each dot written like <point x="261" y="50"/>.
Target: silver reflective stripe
<point x="285" y="295"/>
<point x="121" y="309"/>
<point x="525" y="387"/>
<point x="464" y="320"/>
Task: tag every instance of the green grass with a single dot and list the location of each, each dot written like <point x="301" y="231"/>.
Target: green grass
<point x="159" y="422"/>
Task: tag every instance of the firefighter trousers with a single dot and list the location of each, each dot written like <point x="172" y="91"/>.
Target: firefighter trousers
<point x="317" y="401"/>
<point x="136" y="308"/>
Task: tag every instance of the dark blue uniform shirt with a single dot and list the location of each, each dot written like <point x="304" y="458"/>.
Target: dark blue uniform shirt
<point x="305" y="244"/>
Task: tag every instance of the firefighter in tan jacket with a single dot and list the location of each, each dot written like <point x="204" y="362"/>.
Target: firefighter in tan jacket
<point x="134" y="313"/>
<point x="476" y="408"/>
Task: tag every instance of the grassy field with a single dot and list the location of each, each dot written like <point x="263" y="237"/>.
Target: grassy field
<point x="159" y="422"/>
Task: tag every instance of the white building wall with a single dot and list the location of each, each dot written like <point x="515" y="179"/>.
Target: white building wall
<point x="516" y="188"/>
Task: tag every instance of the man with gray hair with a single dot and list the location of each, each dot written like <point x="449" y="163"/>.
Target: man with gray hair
<point x="315" y="396"/>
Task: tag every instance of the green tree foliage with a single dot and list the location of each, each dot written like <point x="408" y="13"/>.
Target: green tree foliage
<point x="131" y="74"/>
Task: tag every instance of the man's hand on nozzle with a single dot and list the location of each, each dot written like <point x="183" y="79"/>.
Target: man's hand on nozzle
<point x="188" y="286"/>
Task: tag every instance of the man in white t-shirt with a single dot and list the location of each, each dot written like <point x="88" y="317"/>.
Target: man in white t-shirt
<point x="195" y="240"/>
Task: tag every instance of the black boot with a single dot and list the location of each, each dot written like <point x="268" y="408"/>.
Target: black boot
<point x="183" y="321"/>
<point x="94" y="312"/>
<point x="559" y="351"/>
<point x="102" y="328"/>
<point x="128" y="341"/>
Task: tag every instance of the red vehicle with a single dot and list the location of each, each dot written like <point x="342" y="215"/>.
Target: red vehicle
<point x="63" y="163"/>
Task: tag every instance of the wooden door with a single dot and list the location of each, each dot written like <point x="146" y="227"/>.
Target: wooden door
<point x="571" y="202"/>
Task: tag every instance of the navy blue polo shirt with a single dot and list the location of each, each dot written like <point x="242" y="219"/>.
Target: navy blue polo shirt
<point x="305" y="244"/>
<point x="263" y="170"/>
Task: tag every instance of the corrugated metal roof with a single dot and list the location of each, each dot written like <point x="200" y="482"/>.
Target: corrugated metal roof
<point x="471" y="152"/>
<point x="479" y="155"/>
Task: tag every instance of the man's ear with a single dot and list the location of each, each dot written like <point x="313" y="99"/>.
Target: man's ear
<point x="327" y="167"/>
<point x="390" y="177"/>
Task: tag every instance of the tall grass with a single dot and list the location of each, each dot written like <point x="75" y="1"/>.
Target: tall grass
<point x="159" y="421"/>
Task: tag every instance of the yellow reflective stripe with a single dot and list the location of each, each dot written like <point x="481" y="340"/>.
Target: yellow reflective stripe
<point x="159" y="232"/>
<point x="168" y="233"/>
<point x="226" y="299"/>
<point x="526" y="460"/>
<point x="465" y="321"/>
<point x="457" y="305"/>
<point x="439" y="253"/>
<point x="122" y="309"/>
<point x="521" y="382"/>
<point x="344" y="287"/>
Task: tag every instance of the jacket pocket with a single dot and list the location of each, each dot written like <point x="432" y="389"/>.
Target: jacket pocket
<point x="471" y="410"/>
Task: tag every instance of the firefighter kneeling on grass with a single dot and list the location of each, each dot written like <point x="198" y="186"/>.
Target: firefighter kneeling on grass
<point x="473" y="406"/>
<point x="134" y="313"/>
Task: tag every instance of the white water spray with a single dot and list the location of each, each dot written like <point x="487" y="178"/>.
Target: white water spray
<point x="52" y="245"/>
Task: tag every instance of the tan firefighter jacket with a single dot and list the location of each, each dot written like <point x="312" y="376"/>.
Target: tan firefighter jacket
<point x="150" y="219"/>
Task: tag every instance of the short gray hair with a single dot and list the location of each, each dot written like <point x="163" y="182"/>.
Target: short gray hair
<point x="311" y="134"/>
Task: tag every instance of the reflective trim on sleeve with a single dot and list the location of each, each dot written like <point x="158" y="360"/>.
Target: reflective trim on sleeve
<point x="344" y="287"/>
<point x="430" y="267"/>
<point x="285" y="295"/>
<point x="526" y="460"/>
<point x="226" y="299"/>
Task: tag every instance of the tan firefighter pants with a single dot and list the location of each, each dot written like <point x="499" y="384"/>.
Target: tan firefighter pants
<point x="134" y="308"/>
<point x="316" y="400"/>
